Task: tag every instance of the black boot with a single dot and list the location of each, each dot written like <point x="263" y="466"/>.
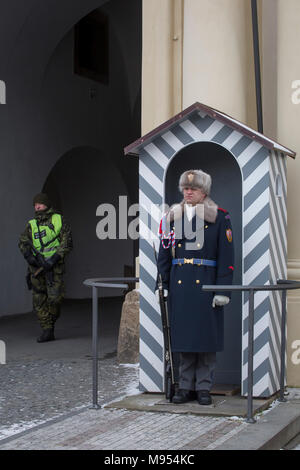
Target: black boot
<point x="47" y="335"/>
<point x="183" y="396"/>
<point x="204" y="397"/>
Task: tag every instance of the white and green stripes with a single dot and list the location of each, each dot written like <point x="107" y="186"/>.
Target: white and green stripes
<point x="264" y="242"/>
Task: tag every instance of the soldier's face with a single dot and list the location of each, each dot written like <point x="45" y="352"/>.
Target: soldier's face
<point x="193" y="196"/>
<point x="39" y="207"/>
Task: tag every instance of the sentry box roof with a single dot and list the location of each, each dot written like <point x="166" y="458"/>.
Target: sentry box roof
<point x="207" y="112"/>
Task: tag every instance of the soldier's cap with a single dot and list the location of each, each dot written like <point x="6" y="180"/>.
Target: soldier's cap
<point x="195" y="179"/>
<point x="42" y="198"/>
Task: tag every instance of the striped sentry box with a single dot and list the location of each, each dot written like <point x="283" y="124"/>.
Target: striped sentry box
<point x="264" y="245"/>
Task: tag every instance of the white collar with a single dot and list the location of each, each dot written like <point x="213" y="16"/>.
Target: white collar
<point x="190" y="211"/>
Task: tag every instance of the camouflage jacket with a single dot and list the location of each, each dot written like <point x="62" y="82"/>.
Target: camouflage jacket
<point x="44" y="218"/>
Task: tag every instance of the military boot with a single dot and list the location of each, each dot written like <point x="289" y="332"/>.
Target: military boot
<point x="47" y="335"/>
<point x="183" y="396"/>
<point x="204" y="397"/>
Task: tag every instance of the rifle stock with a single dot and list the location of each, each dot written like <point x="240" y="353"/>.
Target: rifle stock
<point x="38" y="257"/>
<point x="37" y="272"/>
<point x="168" y="357"/>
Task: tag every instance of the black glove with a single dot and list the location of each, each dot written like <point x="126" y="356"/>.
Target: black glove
<point x="41" y="261"/>
<point x="31" y="259"/>
<point x="50" y="262"/>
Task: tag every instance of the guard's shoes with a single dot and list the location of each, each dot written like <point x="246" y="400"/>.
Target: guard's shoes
<point x="47" y="335"/>
<point x="183" y="396"/>
<point x="203" y="397"/>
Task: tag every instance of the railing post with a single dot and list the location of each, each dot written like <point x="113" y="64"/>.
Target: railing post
<point x="95" y="349"/>
<point x="95" y="283"/>
<point x="283" y="345"/>
<point x="252" y="289"/>
<point x="250" y="418"/>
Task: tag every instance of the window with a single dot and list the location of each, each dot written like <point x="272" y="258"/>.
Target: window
<point x="91" y="51"/>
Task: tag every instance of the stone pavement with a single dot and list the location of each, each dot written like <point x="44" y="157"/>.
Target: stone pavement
<point x="46" y="392"/>
<point x="115" y="428"/>
<point x="43" y="381"/>
<point x="109" y="429"/>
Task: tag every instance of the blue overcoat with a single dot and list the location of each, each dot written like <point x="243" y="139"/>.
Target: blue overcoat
<point x="195" y="325"/>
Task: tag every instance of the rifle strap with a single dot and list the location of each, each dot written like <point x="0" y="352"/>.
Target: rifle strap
<point x="173" y="246"/>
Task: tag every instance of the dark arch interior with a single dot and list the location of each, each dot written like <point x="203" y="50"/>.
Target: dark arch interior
<point x="227" y="193"/>
<point x="99" y="117"/>
<point x="96" y="172"/>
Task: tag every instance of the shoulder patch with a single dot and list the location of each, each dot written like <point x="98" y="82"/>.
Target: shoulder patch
<point x="229" y="235"/>
<point x="223" y="210"/>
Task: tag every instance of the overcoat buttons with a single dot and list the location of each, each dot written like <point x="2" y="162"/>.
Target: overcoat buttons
<point x="197" y="282"/>
<point x="179" y="282"/>
<point x="179" y="245"/>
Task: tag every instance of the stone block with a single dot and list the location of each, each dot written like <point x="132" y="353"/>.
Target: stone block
<point x="129" y="332"/>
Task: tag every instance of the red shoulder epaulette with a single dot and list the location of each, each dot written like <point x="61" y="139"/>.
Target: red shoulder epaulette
<point x="223" y="210"/>
<point x="160" y="228"/>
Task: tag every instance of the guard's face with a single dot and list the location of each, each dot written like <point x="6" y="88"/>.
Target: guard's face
<point x="39" y="207"/>
<point x="193" y="196"/>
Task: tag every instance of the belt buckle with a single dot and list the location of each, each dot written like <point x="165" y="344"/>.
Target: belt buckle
<point x="188" y="260"/>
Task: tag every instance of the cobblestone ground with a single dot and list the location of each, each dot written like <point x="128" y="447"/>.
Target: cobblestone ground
<point x="130" y="430"/>
<point x="32" y="392"/>
<point x="47" y="391"/>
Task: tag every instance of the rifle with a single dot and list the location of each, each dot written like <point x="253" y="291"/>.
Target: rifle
<point x="39" y="258"/>
<point x="29" y="275"/>
<point x="168" y="357"/>
<point x="36" y="273"/>
<point x="48" y="273"/>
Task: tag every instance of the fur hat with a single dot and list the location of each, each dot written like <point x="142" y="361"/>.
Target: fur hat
<point x="42" y="198"/>
<point x="195" y="179"/>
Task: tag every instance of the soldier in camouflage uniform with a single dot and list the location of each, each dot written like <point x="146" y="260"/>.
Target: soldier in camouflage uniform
<point x="44" y="244"/>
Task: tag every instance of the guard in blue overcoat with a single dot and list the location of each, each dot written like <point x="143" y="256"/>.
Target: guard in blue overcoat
<point x="196" y="248"/>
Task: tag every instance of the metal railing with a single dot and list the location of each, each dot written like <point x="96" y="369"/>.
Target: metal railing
<point x="282" y="285"/>
<point x="103" y="282"/>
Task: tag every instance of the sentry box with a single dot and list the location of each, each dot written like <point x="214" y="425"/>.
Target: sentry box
<point x="249" y="175"/>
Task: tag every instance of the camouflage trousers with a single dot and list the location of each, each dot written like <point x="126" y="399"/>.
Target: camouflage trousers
<point x="47" y="295"/>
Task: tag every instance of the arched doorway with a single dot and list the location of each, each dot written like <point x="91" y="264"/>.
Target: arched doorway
<point x="227" y="193"/>
<point x="77" y="185"/>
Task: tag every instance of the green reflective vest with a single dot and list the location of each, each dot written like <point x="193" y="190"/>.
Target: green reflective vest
<point x="45" y="238"/>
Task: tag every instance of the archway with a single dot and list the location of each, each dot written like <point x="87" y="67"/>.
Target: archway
<point x="77" y="185"/>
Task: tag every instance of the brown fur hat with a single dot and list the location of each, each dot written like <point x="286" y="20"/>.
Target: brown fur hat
<point x="195" y="179"/>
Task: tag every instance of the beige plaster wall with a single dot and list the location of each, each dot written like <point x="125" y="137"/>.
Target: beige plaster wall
<point x="268" y="12"/>
<point x="162" y="61"/>
<point x="288" y="118"/>
<point x="197" y="50"/>
<point x="218" y="58"/>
